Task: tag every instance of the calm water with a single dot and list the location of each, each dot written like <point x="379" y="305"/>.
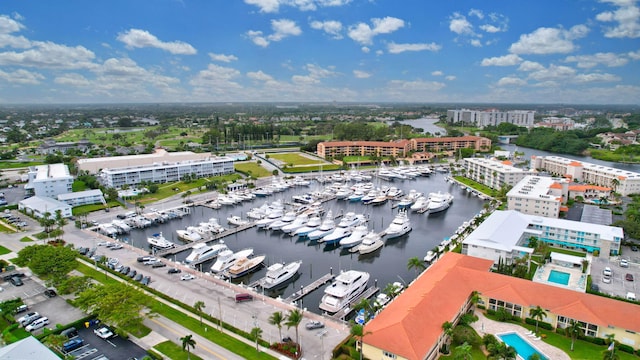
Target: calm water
<point x="386" y="265"/>
<point x="426" y="124"/>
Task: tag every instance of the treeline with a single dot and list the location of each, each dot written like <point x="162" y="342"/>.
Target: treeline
<point x="573" y="142"/>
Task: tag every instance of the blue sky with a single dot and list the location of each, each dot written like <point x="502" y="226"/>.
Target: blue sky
<point x="492" y="51"/>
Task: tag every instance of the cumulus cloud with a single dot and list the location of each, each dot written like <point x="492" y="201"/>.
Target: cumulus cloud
<point x="216" y="78"/>
<point x="9" y="25"/>
<point x="272" y="6"/>
<point x="490" y="28"/>
<point x="259" y="75"/>
<point x="506" y="60"/>
<point x="553" y="73"/>
<point x="477" y="13"/>
<point x="450" y="77"/>
<point x="72" y="79"/>
<point x="634" y="55"/>
<point x="331" y="27"/>
<point x="511" y="81"/>
<point x="223" y="57"/>
<point x="137" y="38"/>
<point x="315" y="74"/>
<point x="22" y="77"/>
<point x="596" y="77"/>
<point x="626" y="18"/>
<point x="459" y="24"/>
<point x="282" y="28"/>
<point x="475" y="43"/>
<point x="606" y="59"/>
<point x="437" y="73"/>
<point x="364" y="34"/>
<point x="549" y="40"/>
<point x="530" y="66"/>
<point x="394" y="48"/>
<point x="361" y="74"/>
<point x="45" y="54"/>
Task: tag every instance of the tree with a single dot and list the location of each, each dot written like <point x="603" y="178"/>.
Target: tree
<point x="256" y="333"/>
<point x="463" y="352"/>
<point x="46" y="221"/>
<point x="573" y="330"/>
<point x="416" y="264"/>
<point x="198" y="307"/>
<point x="48" y="261"/>
<point x="277" y="319"/>
<point x="114" y="303"/>
<point x="447" y="327"/>
<point x="357" y="330"/>
<point x="537" y="314"/>
<point x="187" y="344"/>
<point x="391" y="290"/>
<point x="293" y="319"/>
<point x="60" y="221"/>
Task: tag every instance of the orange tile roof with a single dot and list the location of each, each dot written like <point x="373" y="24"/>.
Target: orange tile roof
<point x="583" y="188"/>
<point x="555" y="185"/>
<point x="564" y="208"/>
<point x="446" y="139"/>
<point x="411" y="325"/>
<point x="398" y="144"/>
<point x="575" y="163"/>
<point x="507" y="162"/>
<point x="620" y="177"/>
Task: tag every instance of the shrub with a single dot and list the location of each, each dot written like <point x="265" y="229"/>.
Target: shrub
<point x="489" y="339"/>
<point x="462" y="334"/>
<point x="541" y="324"/>
<point x="626" y="348"/>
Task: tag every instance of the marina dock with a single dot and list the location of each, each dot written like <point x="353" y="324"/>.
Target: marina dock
<point x="340" y="315"/>
<point x="180" y="248"/>
<point x="310" y="288"/>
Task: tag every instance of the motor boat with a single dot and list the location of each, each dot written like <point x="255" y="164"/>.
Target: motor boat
<point x="159" y="242"/>
<point x="369" y="197"/>
<point x="227" y="258"/>
<point x="311" y="225"/>
<point x="300" y="221"/>
<point x="244" y="266"/>
<point x="356" y="196"/>
<point x="269" y="219"/>
<point x="381" y="300"/>
<point x="409" y="199"/>
<point x="279" y="273"/>
<point x="420" y="204"/>
<point x="338" y="234"/>
<point x="370" y="243"/>
<point x="236" y="220"/>
<point x="400" y="225"/>
<point x="344" y="290"/>
<point x="351" y="219"/>
<point x="284" y="220"/>
<point x="202" y="252"/>
<point x="326" y="228"/>
<point x="439" y="202"/>
<point x="190" y="234"/>
<point x="358" y="233"/>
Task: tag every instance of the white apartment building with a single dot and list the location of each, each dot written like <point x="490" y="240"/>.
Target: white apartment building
<point x="166" y="172"/>
<point x="86" y="197"/>
<point x="622" y="181"/>
<point x="49" y="180"/>
<point x="505" y="235"/>
<point x="492" y="117"/>
<point x="494" y="173"/>
<point x="538" y="195"/>
<point x="94" y="165"/>
<point x="38" y="206"/>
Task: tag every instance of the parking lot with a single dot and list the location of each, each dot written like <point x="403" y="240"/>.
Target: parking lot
<point x="619" y="286"/>
<point x="95" y="348"/>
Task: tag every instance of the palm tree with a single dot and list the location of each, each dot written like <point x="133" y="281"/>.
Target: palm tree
<point x="391" y="290"/>
<point x="187" y="344"/>
<point x="60" y="221"/>
<point x="357" y="330"/>
<point x="574" y="330"/>
<point x="447" y="327"/>
<point x="615" y="183"/>
<point x="416" y="264"/>
<point x="256" y="333"/>
<point x="276" y="319"/>
<point x="538" y="314"/>
<point x="293" y="319"/>
<point x="463" y="352"/>
<point x="198" y="307"/>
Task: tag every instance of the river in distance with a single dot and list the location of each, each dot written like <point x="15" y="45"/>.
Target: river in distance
<point x="386" y="265"/>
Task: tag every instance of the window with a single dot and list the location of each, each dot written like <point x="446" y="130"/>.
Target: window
<point x="389" y="355"/>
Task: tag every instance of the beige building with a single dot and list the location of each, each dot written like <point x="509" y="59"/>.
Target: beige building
<point x="538" y="195"/>
<point x="494" y="173"/>
<point x="160" y="156"/>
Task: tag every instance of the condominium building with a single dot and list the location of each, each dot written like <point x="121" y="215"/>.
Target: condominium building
<point x="86" y="197"/>
<point x="52" y="146"/>
<point x="49" y="180"/>
<point x="538" y="195"/>
<point x="94" y="165"/>
<point x="494" y="173"/>
<point x="440" y="144"/>
<point x="166" y="172"/>
<point x="505" y="235"/>
<point x="363" y="148"/>
<point x="491" y="117"/>
<point x="622" y="181"/>
<point x="39" y="206"/>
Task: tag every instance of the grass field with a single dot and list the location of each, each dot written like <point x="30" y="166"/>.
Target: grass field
<point x="134" y="136"/>
<point x="304" y="169"/>
<point x="174" y="351"/>
<point x="252" y="168"/>
<point x="295" y="159"/>
<point x="5" y="229"/>
<point x="17" y="165"/>
<point x="4" y="250"/>
<point x="167" y="190"/>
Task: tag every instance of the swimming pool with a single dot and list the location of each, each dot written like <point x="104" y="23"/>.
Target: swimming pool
<point x="522" y="346"/>
<point x="559" y="277"/>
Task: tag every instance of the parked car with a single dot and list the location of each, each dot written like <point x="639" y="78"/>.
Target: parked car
<point x="314" y="324"/>
<point x="28" y="318"/>
<point x="243" y="297"/>
<point x="595" y="287"/>
<point x="22" y="308"/>
<point x="624" y="263"/>
<point x="146" y="280"/>
<point x="70" y="332"/>
<point x="16" y="281"/>
<point x="628" y="277"/>
<point x="187" y="277"/>
<point x="138" y="277"/>
<point x="125" y="270"/>
<point x="37" y="324"/>
<point x="132" y="273"/>
<point x="104" y="332"/>
<point x="607" y="271"/>
<point x="158" y="264"/>
<point x="606" y="279"/>
<point x="174" y="271"/>
<point x="634" y="248"/>
<point x="145" y="258"/>
<point x="50" y="293"/>
<point x="72" y="344"/>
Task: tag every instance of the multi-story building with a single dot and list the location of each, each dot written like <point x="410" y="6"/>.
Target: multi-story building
<point x="49" y="180"/>
<point x="86" y="197"/>
<point x="505" y="235"/>
<point x="621" y="181"/>
<point x="491" y="117"/>
<point x="494" y="173"/>
<point x="51" y="146"/>
<point x="364" y="148"/>
<point x="440" y="144"/>
<point x="94" y="165"/>
<point x="538" y="195"/>
<point x="410" y="327"/>
<point x="560" y="124"/>
<point x="166" y="172"/>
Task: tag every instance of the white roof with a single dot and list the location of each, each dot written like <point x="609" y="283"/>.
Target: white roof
<point x="502" y="230"/>
<point x="594" y="167"/>
<point x="43" y="204"/>
<point x="606" y="232"/>
<point x="80" y="194"/>
<point x="159" y="155"/>
<point x="567" y="258"/>
<point x="496" y="165"/>
<point x="51" y="171"/>
<point x="534" y="187"/>
<point x="27" y="348"/>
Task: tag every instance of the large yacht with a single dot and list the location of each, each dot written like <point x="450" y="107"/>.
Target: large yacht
<point x="344" y="290"/>
<point x="243" y="266"/>
<point x="370" y="243"/>
<point x="399" y="226"/>
<point x="439" y="202"/>
<point x="420" y="204"/>
<point x="202" y="252"/>
<point x="285" y="220"/>
<point x="159" y="242"/>
<point x="358" y="233"/>
<point x="311" y="225"/>
<point x="278" y="273"/>
<point x="326" y="228"/>
<point x="190" y="234"/>
<point x="300" y="221"/>
<point x="271" y="217"/>
<point x="227" y="258"/>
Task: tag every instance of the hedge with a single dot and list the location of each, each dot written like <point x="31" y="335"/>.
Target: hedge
<point x="541" y="324"/>
<point x="626" y="348"/>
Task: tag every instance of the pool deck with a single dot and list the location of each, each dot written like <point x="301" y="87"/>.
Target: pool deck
<point x="486" y="326"/>
<point x="577" y="280"/>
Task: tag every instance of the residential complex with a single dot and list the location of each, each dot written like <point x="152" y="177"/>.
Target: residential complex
<point x="451" y="143"/>
<point x="492" y="117"/>
<point x="38" y="206"/>
<point x="505" y="235"/>
<point x="94" y="165"/>
<point x="49" y="180"/>
<point x="410" y="327"/>
<point x="165" y="172"/>
<point x="83" y="198"/>
<point x="622" y="181"/>
<point x="538" y="195"/>
<point x="494" y="173"/>
<point x="52" y="146"/>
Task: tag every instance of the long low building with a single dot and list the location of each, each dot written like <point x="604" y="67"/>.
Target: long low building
<point x="86" y="197"/>
<point x="38" y="206"/>
<point x="494" y="173"/>
<point x="94" y="165"/>
<point x="622" y="181"/>
<point x="410" y="327"/>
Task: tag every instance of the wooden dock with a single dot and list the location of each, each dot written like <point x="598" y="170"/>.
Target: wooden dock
<point x="309" y="288"/>
<point x="340" y="315"/>
<point x="180" y="248"/>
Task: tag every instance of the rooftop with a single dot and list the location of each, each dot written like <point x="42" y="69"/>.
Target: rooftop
<point x="495" y="165"/>
<point x="80" y="194"/>
<point x="535" y="187"/>
<point x="51" y="171"/>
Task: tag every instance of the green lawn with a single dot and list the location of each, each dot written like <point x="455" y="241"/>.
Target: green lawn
<point x="78" y="185"/>
<point x="26" y="239"/>
<point x="567" y="251"/>
<point x="5" y="229"/>
<point x="353" y="159"/>
<point x="475" y="185"/>
<point x="174" y="351"/>
<point x="303" y="169"/>
<point x="15" y="165"/>
<point x="4" y="250"/>
<point x="251" y="167"/>
<point x="295" y="159"/>
<point x="85" y="209"/>
<point x="167" y="190"/>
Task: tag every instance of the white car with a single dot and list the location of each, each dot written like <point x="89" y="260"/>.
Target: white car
<point x="606" y="279"/>
<point x="37" y="324"/>
<point x="187" y="277"/>
<point x="624" y="263"/>
<point x="607" y="272"/>
<point x="103" y="332"/>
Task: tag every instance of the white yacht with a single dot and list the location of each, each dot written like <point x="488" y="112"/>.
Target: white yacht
<point x="344" y="290"/>
<point x="351" y="219"/>
<point x="227" y="258"/>
<point x="336" y="235"/>
<point x="202" y="252"/>
<point x="370" y="243"/>
<point x="439" y="202"/>
<point x="358" y="233"/>
<point x="244" y="266"/>
<point x="300" y="221"/>
<point x="326" y="228"/>
<point x="285" y="220"/>
<point x="421" y="203"/>
<point x="400" y="225"/>
<point x="279" y="273"/>
<point x="159" y="242"/>
<point x="311" y="225"/>
<point x="236" y="220"/>
<point x="190" y="234"/>
<point x="269" y="219"/>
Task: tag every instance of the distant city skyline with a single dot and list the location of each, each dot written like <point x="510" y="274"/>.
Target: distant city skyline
<point x="169" y="51"/>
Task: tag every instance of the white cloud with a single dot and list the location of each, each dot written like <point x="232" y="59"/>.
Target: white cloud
<point x="511" y="81"/>
<point x="477" y="13"/>
<point x="606" y="59"/>
<point x="272" y="6"/>
<point x="450" y="77"/>
<point x="626" y="17"/>
<point x="506" y="60"/>
<point x="9" y="25"/>
<point x="315" y="74"/>
<point x="50" y="55"/>
<point x="365" y="49"/>
<point x="331" y="27"/>
<point x="364" y="34"/>
<point x="394" y="48"/>
<point x="399" y="89"/>
<point x="361" y="74"/>
<point x="282" y="28"/>
<point x="136" y="38"/>
<point x="72" y="79"/>
<point x="259" y="75"/>
<point x="266" y="6"/>
<point x="553" y="73"/>
<point x="530" y="66"/>
<point x="22" y="77"/>
<point x="437" y="73"/>
<point x="595" y="77"/>
<point x="475" y="43"/>
<point x="490" y="28"/>
<point x="549" y="40"/>
<point x="634" y="55"/>
<point x="223" y="57"/>
<point x="459" y="24"/>
<point x="216" y="78"/>
<point x="17" y="42"/>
